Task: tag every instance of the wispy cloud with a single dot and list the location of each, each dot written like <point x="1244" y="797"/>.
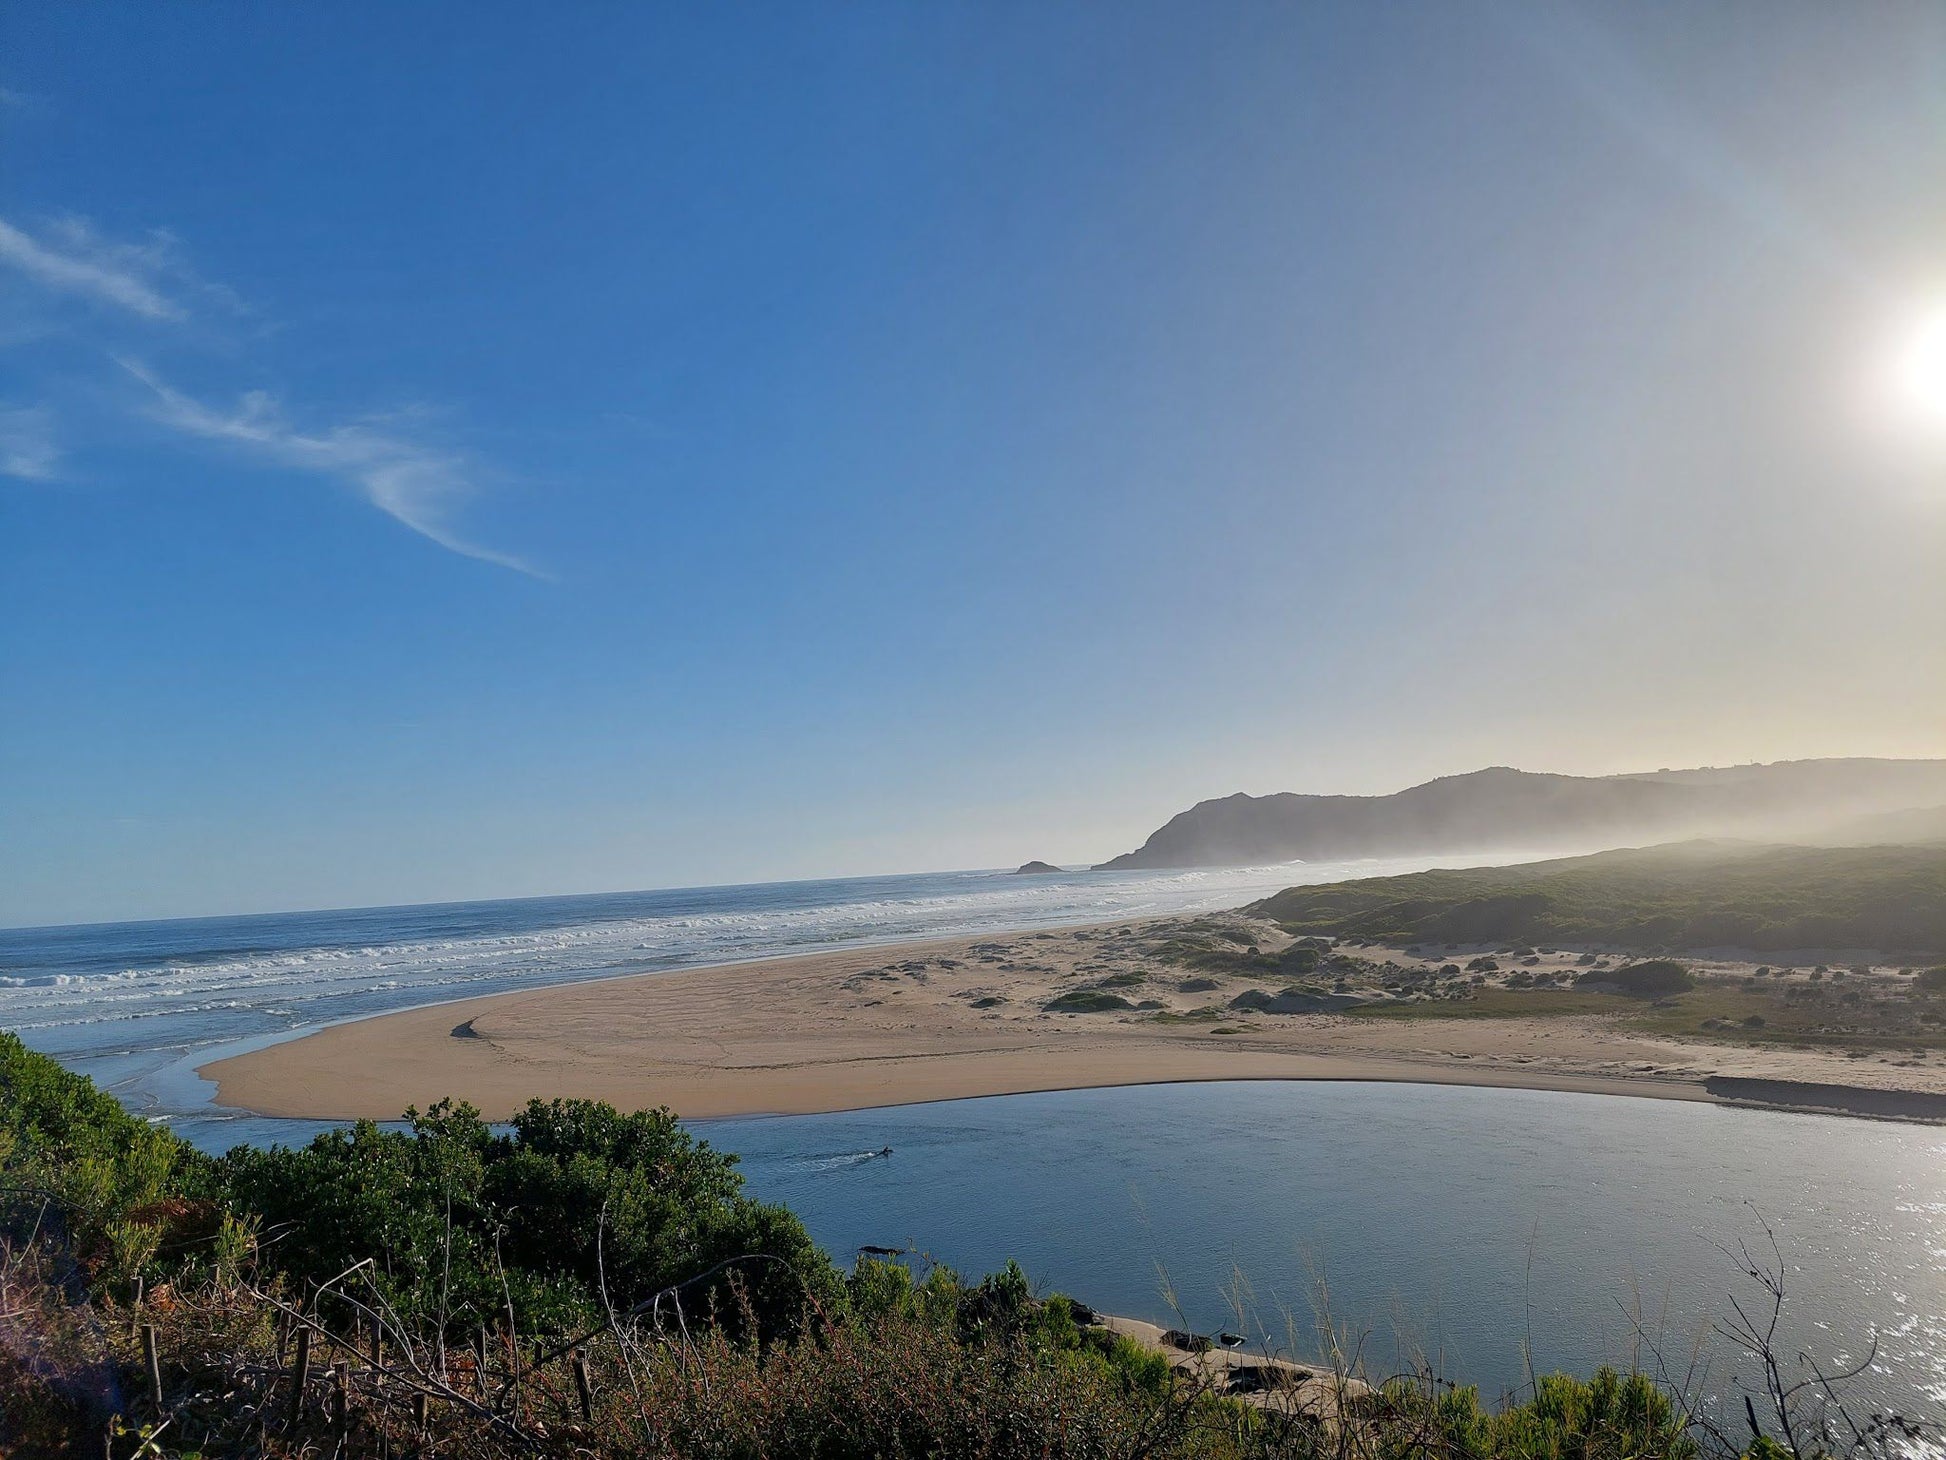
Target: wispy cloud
<point x="27" y="448"/>
<point x="413" y="483"/>
<point x="71" y="258"/>
<point x="383" y="459"/>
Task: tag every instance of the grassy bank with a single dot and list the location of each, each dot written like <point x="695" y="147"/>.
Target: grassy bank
<point x="1688" y="896"/>
<point x="594" y="1283"/>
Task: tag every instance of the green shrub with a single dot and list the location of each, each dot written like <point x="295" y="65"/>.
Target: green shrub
<point x="1086" y="1001"/>
<point x="462" y="1223"/>
<point x="1608" y="1417"/>
<point x="104" y="1168"/>
<point x="1299" y="958"/>
<point x="904" y="1389"/>
<point x="1653" y="979"/>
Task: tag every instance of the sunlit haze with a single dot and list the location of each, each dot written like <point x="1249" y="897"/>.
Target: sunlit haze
<point x="1919" y="379"/>
<point x="700" y="444"/>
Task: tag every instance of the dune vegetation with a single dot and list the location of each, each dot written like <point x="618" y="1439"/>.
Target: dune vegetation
<point x="1894" y="1012"/>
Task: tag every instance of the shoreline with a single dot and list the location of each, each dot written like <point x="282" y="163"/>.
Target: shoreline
<point x="1851" y="1102"/>
<point x="887" y="1025"/>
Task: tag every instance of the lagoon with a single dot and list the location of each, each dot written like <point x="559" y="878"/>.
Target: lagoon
<point x="1459" y="1224"/>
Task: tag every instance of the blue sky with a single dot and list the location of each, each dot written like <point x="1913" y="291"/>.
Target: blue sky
<point x="470" y="451"/>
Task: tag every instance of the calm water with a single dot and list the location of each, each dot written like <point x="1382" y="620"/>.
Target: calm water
<point x="1445" y="1221"/>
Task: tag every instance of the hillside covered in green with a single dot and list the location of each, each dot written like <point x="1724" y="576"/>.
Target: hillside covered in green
<point x="1691" y="895"/>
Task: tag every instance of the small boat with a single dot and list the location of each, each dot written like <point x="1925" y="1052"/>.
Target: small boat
<point x="886" y="1152"/>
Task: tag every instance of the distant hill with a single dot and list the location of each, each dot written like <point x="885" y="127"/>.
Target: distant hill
<point x="1504" y="808"/>
<point x="1688" y="896"/>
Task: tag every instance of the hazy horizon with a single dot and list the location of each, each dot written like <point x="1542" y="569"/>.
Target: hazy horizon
<point x="1791" y="827"/>
<point x="719" y="447"/>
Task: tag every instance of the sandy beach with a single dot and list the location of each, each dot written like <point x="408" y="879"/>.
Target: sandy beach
<point x="954" y="1018"/>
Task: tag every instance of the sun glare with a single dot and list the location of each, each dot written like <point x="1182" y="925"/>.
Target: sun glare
<point x="1919" y="368"/>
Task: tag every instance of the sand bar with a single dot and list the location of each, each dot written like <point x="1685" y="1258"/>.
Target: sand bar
<point x="859" y="1028"/>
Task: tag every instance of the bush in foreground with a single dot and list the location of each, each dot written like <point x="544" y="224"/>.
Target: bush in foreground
<point x="579" y="1207"/>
